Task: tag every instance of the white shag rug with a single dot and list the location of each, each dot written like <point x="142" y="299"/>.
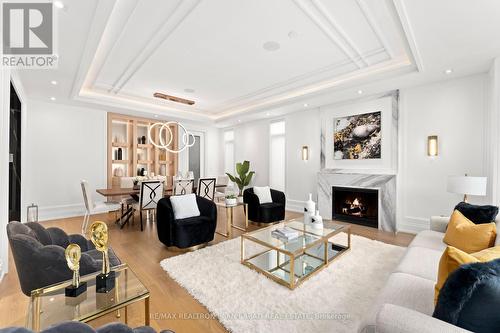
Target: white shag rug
<point x="333" y="300"/>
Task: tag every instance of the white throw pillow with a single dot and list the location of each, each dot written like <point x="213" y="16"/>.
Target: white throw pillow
<point x="184" y="206"/>
<point x="263" y="193"/>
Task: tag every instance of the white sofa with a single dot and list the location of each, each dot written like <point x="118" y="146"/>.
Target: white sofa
<point x="406" y="302"/>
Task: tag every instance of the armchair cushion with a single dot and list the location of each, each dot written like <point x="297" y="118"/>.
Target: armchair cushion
<point x="264" y="194"/>
<point x="77" y="327"/>
<point x="184" y="206"/>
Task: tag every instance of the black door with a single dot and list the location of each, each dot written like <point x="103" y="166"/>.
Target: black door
<point x="15" y="157"/>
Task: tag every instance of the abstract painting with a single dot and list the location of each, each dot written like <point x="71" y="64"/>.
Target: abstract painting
<point x="357" y="137"/>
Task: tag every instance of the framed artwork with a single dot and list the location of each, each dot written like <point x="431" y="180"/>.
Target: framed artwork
<point x="358" y="137"/>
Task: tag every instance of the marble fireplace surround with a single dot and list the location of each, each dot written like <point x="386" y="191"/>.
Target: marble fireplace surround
<point x="384" y="183"/>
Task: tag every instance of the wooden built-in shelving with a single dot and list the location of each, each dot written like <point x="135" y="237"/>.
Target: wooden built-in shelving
<point x="126" y="133"/>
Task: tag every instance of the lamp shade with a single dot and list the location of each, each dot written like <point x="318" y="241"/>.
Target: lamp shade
<point x="467" y="185"/>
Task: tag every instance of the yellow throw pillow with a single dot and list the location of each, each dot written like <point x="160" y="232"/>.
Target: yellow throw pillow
<point x="467" y="236"/>
<point x="453" y="258"/>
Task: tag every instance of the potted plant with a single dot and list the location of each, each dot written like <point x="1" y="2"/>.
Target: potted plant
<point x="244" y="177"/>
<point x="230" y="200"/>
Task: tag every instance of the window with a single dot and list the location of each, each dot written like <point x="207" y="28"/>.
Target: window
<point x="229" y="151"/>
<point x="277" y="155"/>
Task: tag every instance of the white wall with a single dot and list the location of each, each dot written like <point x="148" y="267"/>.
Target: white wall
<point x="66" y="144"/>
<point x="455" y="111"/>
<point x="4" y="167"/>
<point x="251" y="142"/>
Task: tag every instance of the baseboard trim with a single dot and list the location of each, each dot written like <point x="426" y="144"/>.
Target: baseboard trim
<point x="60" y="212"/>
<point x="295" y="205"/>
<point x="413" y="224"/>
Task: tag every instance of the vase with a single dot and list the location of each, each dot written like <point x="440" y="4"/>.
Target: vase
<point x="230" y="201"/>
<point x="240" y="199"/>
<point x="143" y="140"/>
<point x="317" y="221"/>
<point x="309" y="209"/>
<point x="120" y="154"/>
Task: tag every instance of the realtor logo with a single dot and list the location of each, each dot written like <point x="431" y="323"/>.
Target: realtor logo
<point x="28" y="35"/>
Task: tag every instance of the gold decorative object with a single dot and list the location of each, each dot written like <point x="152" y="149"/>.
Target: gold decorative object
<point x="98" y="232"/>
<point x="73" y="254"/>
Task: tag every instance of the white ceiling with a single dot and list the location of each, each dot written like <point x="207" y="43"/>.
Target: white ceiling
<point x="117" y="53"/>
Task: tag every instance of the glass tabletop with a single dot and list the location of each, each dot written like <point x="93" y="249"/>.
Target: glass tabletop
<point x="53" y="306"/>
<point x="308" y="236"/>
<point x="223" y="204"/>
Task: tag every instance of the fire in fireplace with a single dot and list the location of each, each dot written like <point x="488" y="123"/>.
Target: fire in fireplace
<point x="355" y="205"/>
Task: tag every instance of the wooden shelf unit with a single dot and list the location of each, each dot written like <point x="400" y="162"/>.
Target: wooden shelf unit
<point x="126" y="132"/>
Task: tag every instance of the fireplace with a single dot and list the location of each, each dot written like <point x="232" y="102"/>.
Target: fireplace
<point x="355" y="205"/>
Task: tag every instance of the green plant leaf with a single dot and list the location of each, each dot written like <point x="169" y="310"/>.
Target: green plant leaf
<point x="233" y="179"/>
<point x="242" y="169"/>
<point x="248" y="178"/>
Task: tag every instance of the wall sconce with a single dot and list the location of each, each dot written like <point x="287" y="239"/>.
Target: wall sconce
<point x="305" y="153"/>
<point x="432" y="145"/>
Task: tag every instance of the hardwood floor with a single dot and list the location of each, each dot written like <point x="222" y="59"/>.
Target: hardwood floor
<point x="143" y="252"/>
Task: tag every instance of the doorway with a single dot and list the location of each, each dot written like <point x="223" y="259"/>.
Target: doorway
<point x="14" y="156"/>
<point x="196" y="156"/>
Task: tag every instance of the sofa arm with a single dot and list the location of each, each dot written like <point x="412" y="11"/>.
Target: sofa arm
<point x="439" y="223"/>
<point x="396" y="319"/>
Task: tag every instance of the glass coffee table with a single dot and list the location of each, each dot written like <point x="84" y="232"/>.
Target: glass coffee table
<point x="49" y="305"/>
<point x="292" y="262"/>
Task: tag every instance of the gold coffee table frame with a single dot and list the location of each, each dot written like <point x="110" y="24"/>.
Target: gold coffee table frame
<point x="50" y="301"/>
<point x="312" y="249"/>
<point x="230" y="218"/>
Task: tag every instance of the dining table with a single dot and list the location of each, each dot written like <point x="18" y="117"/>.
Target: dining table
<point x="131" y="191"/>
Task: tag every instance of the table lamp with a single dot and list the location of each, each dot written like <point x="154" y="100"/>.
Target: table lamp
<point x="467" y="185"/>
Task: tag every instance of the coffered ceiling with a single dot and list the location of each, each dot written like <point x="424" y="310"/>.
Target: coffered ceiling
<point x="234" y="56"/>
<point x="241" y="58"/>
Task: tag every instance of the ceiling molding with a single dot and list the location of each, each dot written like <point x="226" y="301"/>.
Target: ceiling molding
<point x="115" y="33"/>
<point x="178" y="15"/>
<point x="393" y="65"/>
<point x="307" y="76"/>
<point x="408" y="32"/>
<point x="328" y="26"/>
<point x="376" y="29"/>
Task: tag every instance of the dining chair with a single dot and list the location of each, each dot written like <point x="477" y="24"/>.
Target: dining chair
<point x="206" y="188"/>
<point x="221" y="192"/>
<point x="92" y="207"/>
<point x="151" y="193"/>
<point x="183" y="186"/>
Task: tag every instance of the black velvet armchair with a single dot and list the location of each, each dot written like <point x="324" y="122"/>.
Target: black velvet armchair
<point x="39" y="255"/>
<point x="189" y="232"/>
<point x="268" y="212"/>
<point x="77" y="327"/>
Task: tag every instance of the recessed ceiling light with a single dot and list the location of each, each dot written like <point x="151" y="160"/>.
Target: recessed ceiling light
<point x="271" y="46"/>
<point x="54" y="83"/>
<point x="306" y="105"/>
<point x="360" y="92"/>
<point x="59" y="4"/>
<point x="448" y="71"/>
<point x="189" y="90"/>
<point x="293" y="34"/>
<point x="52" y="98"/>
